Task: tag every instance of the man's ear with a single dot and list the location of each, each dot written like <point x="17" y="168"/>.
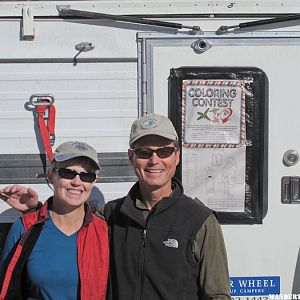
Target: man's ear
<point x="130" y="156"/>
<point x="177" y="154"/>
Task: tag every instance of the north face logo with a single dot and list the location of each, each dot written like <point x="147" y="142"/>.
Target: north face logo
<point x="171" y="243"/>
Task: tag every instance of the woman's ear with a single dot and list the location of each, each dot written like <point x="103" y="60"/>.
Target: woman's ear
<point x="50" y="175"/>
<point x="130" y="156"/>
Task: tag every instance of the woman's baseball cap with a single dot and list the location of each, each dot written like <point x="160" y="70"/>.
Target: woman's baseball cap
<point x="72" y="149"/>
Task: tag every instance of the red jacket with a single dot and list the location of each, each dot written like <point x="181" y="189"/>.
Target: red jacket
<point x="93" y="254"/>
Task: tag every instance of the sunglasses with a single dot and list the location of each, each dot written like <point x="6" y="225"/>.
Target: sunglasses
<point x="71" y="174"/>
<point x="162" y="152"/>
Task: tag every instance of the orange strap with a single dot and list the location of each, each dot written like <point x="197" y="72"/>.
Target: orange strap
<point x="47" y="129"/>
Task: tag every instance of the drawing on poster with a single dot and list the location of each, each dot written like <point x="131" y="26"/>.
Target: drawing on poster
<point x="216" y="177"/>
<point x="229" y="172"/>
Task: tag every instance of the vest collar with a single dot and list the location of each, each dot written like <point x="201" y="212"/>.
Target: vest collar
<point x="129" y="209"/>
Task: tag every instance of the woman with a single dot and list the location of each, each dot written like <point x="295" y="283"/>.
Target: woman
<point x="61" y="250"/>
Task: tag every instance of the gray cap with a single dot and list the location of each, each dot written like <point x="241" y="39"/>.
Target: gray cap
<point x="72" y="149"/>
<point x="152" y="124"/>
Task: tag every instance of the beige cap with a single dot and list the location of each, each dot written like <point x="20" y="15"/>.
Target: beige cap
<point x="72" y="149"/>
<point x="152" y="124"/>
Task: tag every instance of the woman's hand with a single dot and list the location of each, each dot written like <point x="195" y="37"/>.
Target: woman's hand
<point x="19" y="197"/>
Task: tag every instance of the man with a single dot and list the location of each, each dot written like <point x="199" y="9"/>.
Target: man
<point x="164" y="245"/>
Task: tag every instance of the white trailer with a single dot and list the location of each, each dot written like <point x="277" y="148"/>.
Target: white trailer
<point x="103" y="71"/>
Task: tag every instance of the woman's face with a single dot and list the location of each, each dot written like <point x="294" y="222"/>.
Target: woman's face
<point x="71" y="192"/>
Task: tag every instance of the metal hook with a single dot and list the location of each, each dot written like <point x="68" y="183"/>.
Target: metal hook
<point x="39" y="99"/>
<point x="83" y="47"/>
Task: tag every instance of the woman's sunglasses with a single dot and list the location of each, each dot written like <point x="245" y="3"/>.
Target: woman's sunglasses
<point x="162" y="152"/>
<point x="71" y="174"/>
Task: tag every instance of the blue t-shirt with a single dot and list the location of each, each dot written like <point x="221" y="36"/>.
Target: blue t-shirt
<point x="52" y="270"/>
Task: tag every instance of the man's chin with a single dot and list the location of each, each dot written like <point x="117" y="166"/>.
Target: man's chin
<point x="153" y="186"/>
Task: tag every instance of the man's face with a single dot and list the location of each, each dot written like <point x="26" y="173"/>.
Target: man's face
<point x="155" y="172"/>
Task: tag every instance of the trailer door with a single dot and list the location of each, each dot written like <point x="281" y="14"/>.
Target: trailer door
<point x="263" y="258"/>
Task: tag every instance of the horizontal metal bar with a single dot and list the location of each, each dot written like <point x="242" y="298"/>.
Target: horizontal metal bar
<point x="170" y="16"/>
<point x="67" y="60"/>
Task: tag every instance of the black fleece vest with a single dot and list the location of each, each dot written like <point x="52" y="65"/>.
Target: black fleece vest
<point x="153" y="259"/>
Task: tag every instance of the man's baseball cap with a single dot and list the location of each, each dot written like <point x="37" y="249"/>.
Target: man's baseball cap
<point x="72" y="149"/>
<point x="152" y="124"/>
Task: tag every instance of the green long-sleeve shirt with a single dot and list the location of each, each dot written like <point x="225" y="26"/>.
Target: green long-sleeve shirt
<point x="209" y="250"/>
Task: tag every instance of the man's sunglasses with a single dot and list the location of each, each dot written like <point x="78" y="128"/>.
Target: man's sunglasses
<point x="71" y="174"/>
<point x="162" y="152"/>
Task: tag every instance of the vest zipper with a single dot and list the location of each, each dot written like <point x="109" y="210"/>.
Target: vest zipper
<point x="140" y="277"/>
<point x="144" y="237"/>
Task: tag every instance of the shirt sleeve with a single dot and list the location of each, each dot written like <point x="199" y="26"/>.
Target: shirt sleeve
<point x="14" y="234"/>
<point x="209" y="250"/>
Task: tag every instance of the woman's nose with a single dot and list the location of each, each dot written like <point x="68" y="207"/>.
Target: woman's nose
<point x="76" y="179"/>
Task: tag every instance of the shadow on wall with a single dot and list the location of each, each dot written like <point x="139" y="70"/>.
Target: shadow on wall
<point x="296" y="283"/>
<point x="96" y="199"/>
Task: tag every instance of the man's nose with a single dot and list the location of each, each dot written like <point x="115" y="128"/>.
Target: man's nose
<point x="154" y="159"/>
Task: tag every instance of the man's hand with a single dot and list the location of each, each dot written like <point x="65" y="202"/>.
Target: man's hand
<point x="19" y="197"/>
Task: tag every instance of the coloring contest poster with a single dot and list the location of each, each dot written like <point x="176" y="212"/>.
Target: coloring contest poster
<point x="213" y="113"/>
<point x="213" y="118"/>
